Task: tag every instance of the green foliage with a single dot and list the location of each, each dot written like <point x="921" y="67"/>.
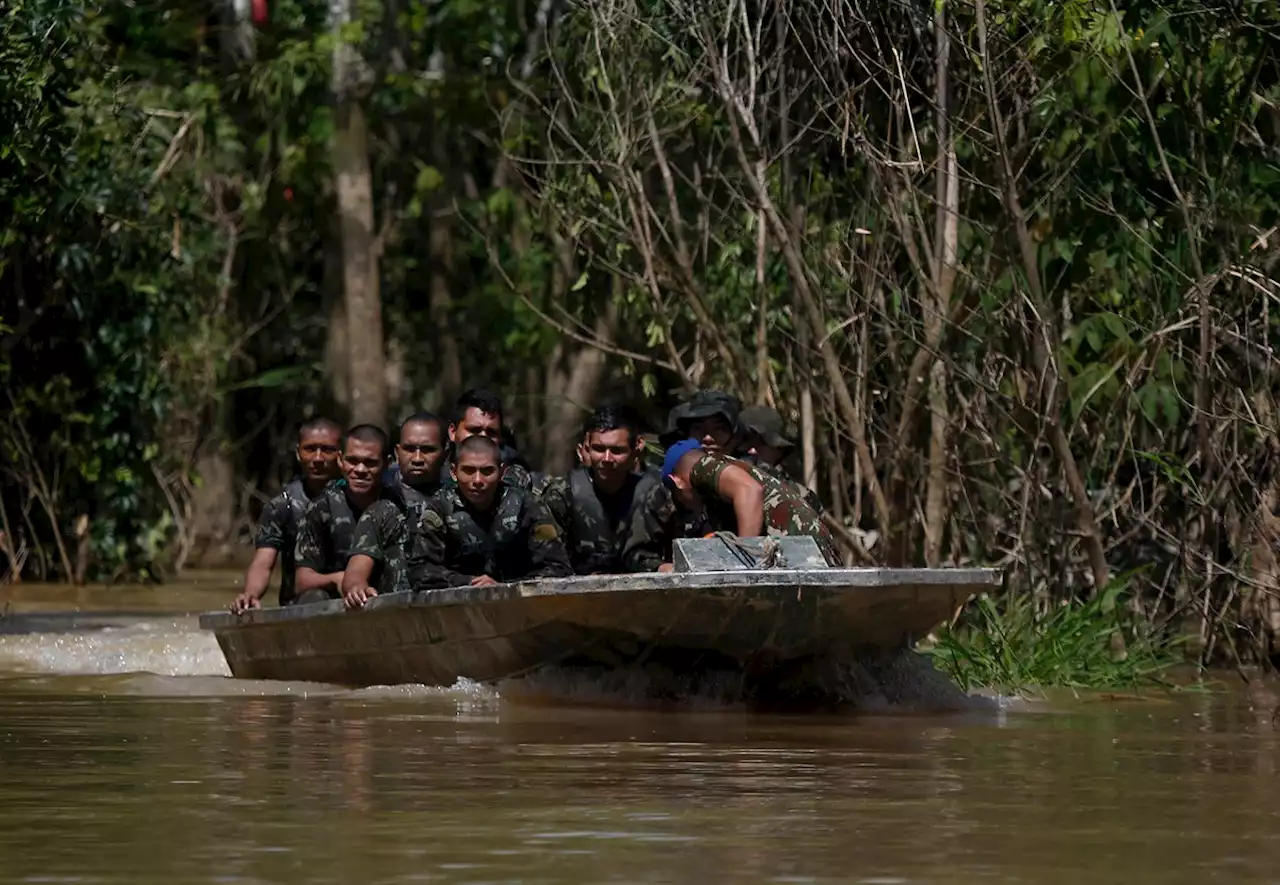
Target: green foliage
<point x="1012" y="644"/>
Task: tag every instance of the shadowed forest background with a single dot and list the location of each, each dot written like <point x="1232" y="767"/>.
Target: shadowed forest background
<point x="1008" y="266"/>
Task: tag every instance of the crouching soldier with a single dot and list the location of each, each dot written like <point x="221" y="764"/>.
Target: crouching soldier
<point x="739" y="497"/>
<point x="327" y="535"/>
<point x="482" y="531"/>
<point x="378" y="551"/>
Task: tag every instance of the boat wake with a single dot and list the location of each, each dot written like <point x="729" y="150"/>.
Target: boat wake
<point x="903" y="682"/>
<point x="174" y="647"/>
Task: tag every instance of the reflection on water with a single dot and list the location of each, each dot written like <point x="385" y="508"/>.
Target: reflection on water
<point x="125" y="756"/>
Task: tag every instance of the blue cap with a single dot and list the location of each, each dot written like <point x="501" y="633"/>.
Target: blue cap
<point x="676" y="452"/>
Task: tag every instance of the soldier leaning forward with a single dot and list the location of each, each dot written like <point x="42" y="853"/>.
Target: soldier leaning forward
<point x="742" y="498"/>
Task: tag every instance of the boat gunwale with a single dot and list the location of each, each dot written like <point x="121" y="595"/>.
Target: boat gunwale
<point x="976" y="579"/>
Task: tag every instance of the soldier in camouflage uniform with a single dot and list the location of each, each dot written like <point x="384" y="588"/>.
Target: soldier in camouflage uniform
<point x="741" y="498"/>
<point x="711" y="417"/>
<point x="327" y="536"/>
<point x="479" y="413"/>
<point x="761" y="442"/>
<point x="595" y="504"/>
<point x="378" y="551"/>
<point x="482" y="531"/>
<point x="319" y="442"/>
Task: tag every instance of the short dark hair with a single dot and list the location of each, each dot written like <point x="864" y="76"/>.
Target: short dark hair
<point x="613" y="417"/>
<point x="481" y="445"/>
<point x="478" y="398"/>
<point x="423" y="418"/>
<point x="319" y="423"/>
<point x="368" y="433"/>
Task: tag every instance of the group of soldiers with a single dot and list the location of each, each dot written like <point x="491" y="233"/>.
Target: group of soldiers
<point x="453" y="503"/>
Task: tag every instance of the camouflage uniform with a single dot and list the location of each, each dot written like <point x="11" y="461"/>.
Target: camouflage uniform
<point x="278" y="531"/>
<point x="777" y="472"/>
<point x="596" y="529"/>
<point x="382" y="531"/>
<point x="326" y="538"/>
<point x="785" y="510"/>
<point x="656" y="521"/>
<point x="516" y="540"/>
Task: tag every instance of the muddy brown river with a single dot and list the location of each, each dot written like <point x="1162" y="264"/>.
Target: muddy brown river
<point x="128" y="756"/>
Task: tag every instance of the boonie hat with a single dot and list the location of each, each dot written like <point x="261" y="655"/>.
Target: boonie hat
<point x="767" y="424"/>
<point x="703" y="404"/>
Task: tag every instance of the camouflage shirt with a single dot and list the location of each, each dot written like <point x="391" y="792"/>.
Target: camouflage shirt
<point x="776" y="470"/>
<point x="785" y="510"/>
<point x="382" y="534"/>
<point x="327" y="534"/>
<point x="516" y="540"/>
<point x="278" y="530"/>
<point x="595" y="527"/>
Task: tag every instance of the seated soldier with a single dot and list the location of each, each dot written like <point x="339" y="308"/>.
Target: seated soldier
<point x="740" y="497"/>
<point x="482" y="531"/>
<point x="327" y="534"/>
<point x="760" y="442"/>
<point x="709" y="416"/>
<point x="319" y="442"/>
<point x="479" y="413"/>
<point x="594" y="505"/>
<point x="377" y="561"/>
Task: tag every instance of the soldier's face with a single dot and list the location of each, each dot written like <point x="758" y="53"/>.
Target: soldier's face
<point x="714" y="433"/>
<point x="610" y="454"/>
<point x="318" y="453"/>
<point x="476" y="423"/>
<point x="682" y="491"/>
<point x="362" y="465"/>
<point x="477" y="475"/>
<point x="420" y="452"/>
<point x="766" y="453"/>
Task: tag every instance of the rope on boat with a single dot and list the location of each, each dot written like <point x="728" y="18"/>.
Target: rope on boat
<point x="767" y="555"/>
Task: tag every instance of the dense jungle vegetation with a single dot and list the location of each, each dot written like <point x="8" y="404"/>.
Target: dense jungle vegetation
<point x="1008" y="265"/>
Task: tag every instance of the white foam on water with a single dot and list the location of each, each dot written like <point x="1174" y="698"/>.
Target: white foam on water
<point x="164" y="647"/>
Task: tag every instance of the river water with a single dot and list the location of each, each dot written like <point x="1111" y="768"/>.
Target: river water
<point x="128" y="756"/>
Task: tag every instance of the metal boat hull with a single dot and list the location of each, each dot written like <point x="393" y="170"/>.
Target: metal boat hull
<point x="749" y="620"/>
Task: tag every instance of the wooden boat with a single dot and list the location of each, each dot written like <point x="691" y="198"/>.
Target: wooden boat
<point x="714" y="612"/>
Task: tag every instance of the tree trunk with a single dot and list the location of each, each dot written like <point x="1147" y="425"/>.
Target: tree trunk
<point x="565" y="414"/>
<point x="361" y="293"/>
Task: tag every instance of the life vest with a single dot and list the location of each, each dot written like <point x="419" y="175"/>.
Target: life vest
<point x="595" y="543"/>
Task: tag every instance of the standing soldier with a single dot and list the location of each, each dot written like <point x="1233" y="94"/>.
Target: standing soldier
<point x="326" y="538"/>
<point x="596" y="503"/>
<point x="319" y="441"/>
<point x="483" y="531"/>
<point x="378" y="550"/>
<point x="740" y="497"/>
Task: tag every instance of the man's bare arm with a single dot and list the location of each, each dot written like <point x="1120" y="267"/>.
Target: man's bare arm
<point x="747" y="496"/>
<point x="256" y="580"/>
<point x="355" y="580"/>
<point x="308" y="579"/>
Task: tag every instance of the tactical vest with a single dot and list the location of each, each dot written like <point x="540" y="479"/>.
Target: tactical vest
<point x="595" y="545"/>
<point x="295" y="495"/>
<point x="498" y="551"/>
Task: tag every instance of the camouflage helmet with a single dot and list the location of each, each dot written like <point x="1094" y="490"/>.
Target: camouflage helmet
<point x="703" y="404"/>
